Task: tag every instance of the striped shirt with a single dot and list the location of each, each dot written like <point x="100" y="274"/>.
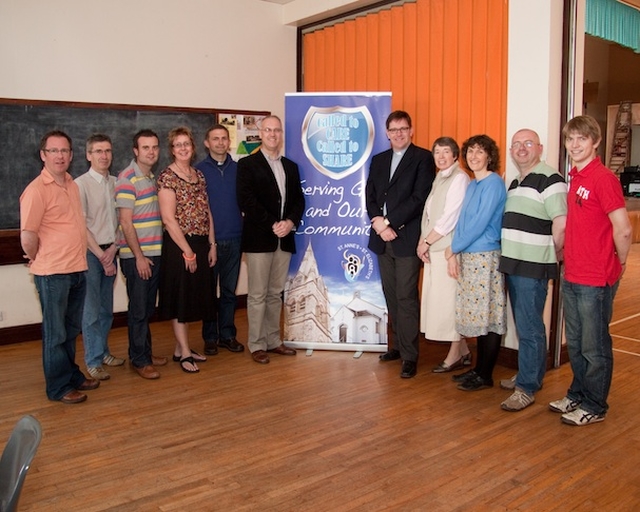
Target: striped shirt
<point x="527" y="241"/>
<point x="138" y="192"/>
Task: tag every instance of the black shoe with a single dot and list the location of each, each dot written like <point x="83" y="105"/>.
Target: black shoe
<point x="461" y="377"/>
<point x="392" y="355"/>
<point x="409" y="369"/>
<point x="210" y="348"/>
<point x="231" y="344"/>
<point x="475" y="384"/>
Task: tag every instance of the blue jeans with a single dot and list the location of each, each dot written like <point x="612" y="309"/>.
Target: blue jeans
<point x="62" y="300"/>
<point x="142" y="295"/>
<point x="98" y="312"/>
<point x="225" y="272"/>
<point x="528" y="296"/>
<point x="587" y="311"/>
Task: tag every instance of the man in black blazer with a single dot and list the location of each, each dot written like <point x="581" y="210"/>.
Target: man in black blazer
<point x="399" y="182"/>
<point x="271" y="200"/>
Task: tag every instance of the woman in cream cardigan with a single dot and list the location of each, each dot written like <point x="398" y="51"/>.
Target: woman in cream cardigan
<point x="439" y="218"/>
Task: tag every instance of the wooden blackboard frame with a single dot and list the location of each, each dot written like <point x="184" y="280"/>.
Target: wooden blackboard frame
<point x="23" y="122"/>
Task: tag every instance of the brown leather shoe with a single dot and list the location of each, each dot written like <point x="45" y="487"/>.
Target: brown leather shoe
<point x="283" y="350"/>
<point x="73" y="397"/>
<point x="88" y="384"/>
<point x="260" y="356"/>
<point x="148" y="372"/>
<point x="159" y="360"/>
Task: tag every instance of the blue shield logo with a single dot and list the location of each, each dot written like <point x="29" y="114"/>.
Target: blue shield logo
<point x="338" y="140"/>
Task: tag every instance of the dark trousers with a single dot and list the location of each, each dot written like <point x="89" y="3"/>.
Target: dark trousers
<point x="400" y="286"/>
<point x="225" y="275"/>
<point x="142" y="304"/>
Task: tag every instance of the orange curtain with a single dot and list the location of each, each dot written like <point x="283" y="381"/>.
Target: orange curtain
<point x="444" y="61"/>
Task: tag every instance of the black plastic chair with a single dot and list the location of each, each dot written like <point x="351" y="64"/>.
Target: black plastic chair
<point x="16" y="459"/>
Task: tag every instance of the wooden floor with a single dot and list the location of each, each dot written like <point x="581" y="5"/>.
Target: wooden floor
<point x="325" y="432"/>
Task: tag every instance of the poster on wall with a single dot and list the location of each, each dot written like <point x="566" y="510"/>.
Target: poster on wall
<point x="333" y="296"/>
<point x="244" y="133"/>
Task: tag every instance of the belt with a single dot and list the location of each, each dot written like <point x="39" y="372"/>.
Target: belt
<point x="104" y="247"/>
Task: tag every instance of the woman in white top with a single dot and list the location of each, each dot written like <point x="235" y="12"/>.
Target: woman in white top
<point x="439" y="218"/>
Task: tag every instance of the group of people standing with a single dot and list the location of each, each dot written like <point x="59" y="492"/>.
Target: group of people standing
<point x="184" y="233"/>
<point x="477" y="240"/>
<point x="163" y="231"/>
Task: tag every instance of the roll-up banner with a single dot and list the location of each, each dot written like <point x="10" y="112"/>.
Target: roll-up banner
<point x="333" y="297"/>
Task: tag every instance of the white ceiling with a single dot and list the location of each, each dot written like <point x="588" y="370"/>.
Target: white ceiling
<point x="634" y="3"/>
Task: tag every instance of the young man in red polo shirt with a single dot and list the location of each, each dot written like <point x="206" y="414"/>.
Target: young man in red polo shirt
<point x="597" y="241"/>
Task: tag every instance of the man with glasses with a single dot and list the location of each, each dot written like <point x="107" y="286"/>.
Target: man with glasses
<point x="532" y="241"/>
<point x="220" y="172"/>
<point x="399" y="182"/>
<point x="140" y="248"/>
<point x="97" y="193"/>
<point x="53" y="235"/>
<point x="270" y="198"/>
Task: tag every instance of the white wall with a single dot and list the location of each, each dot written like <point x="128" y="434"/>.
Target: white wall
<point x="535" y="72"/>
<point x="303" y="12"/>
<point x="534" y="89"/>
<point x="233" y="54"/>
<point x="236" y="54"/>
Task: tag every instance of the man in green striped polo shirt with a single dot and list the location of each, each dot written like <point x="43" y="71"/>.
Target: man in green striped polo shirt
<point x="532" y="241"/>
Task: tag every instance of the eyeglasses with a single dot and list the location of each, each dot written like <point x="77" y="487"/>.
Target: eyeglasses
<point x="55" y="151"/>
<point x="527" y="144"/>
<point x="182" y="145"/>
<point x="101" y="152"/>
<point x="272" y="130"/>
<point x="402" y="129"/>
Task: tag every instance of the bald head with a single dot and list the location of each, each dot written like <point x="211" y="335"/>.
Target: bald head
<point x="525" y="150"/>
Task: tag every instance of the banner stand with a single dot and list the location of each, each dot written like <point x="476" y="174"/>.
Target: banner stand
<point x="333" y="297"/>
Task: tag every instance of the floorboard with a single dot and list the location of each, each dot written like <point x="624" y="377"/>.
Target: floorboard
<point x="325" y="432"/>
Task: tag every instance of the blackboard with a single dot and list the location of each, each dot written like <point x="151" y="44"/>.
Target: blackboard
<point x="24" y="122"/>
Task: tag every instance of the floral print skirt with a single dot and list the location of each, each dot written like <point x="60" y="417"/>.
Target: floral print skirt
<point x="481" y="302"/>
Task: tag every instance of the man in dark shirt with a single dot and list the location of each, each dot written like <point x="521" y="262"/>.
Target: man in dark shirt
<point x="220" y="171"/>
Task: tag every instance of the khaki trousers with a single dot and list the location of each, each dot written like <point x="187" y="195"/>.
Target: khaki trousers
<point x="267" y="275"/>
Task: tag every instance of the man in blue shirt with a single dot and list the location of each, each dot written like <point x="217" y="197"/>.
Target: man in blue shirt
<point x="220" y="170"/>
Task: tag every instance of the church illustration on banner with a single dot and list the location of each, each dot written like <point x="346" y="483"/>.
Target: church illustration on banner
<point x="307" y="310"/>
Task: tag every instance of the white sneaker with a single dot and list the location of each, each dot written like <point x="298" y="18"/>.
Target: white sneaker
<point x="581" y="417"/>
<point x="509" y="384"/>
<point x="113" y="360"/>
<point x="564" y="405"/>
<point x="517" y="401"/>
<point x="98" y="373"/>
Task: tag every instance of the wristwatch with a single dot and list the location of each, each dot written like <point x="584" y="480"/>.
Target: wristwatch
<point x="386" y="222"/>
